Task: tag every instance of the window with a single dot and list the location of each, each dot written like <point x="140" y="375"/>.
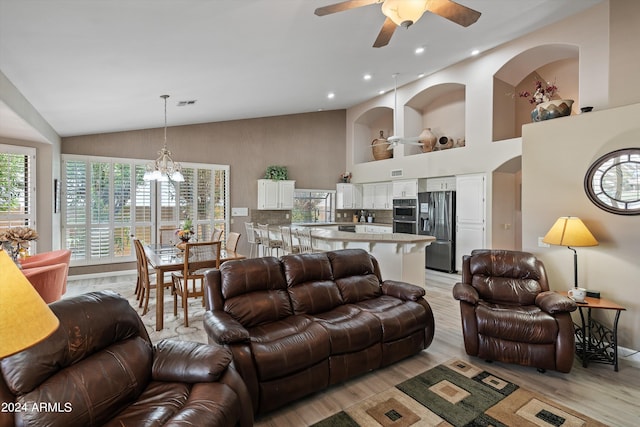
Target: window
<point x="612" y="182"/>
<point x="106" y="201"/>
<point x="313" y="206"/>
<point x="17" y="186"/>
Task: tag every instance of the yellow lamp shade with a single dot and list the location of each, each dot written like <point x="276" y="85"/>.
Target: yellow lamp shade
<point x="25" y="319"/>
<point x="570" y="231"/>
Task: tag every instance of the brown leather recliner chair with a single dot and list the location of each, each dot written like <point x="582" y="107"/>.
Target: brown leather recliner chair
<point x="100" y="368"/>
<point x="509" y="314"/>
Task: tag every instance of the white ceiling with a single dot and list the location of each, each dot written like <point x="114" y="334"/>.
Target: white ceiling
<point x="93" y="66"/>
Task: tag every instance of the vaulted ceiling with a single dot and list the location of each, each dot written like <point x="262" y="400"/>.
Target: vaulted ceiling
<point x="98" y="66"/>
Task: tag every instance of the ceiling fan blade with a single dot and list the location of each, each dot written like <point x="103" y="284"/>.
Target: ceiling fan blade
<point x="385" y="33"/>
<point x="454" y="12"/>
<point x="342" y="6"/>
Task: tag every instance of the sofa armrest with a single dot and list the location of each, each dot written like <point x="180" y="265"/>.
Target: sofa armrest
<point x="466" y="293"/>
<point x="223" y="328"/>
<point x="189" y="362"/>
<point x="552" y="302"/>
<point x="402" y="290"/>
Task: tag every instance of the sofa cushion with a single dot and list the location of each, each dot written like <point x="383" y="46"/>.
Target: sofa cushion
<point x="350" y="329"/>
<point x="286" y="346"/>
<point x="306" y="268"/>
<point x="359" y="288"/>
<point x="398" y="318"/>
<point x="181" y="404"/>
<point x="528" y="324"/>
<point x="255" y="291"/>
<point x="86" y="327"/>
<point x="350" y="262"/>
<point x="95" y="387"/>
<point x="310" y="283"/>
<point x="505" y="276"/>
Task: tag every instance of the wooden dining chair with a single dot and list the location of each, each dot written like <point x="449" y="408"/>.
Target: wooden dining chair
<point x="232" y="241"/>
<point x="198" y="257"/>
<point x="216" y="236"/>
<point x="168" y="235"/>
<point x="145" y="282"/>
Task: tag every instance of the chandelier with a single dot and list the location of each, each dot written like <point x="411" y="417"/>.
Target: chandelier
<point x="164" y="168"/>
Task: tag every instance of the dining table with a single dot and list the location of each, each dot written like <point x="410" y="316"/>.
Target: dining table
<point x="167" y="258"/>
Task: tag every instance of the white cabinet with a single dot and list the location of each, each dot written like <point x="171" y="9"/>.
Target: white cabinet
<point x="275" y="195"/>
<point x="376" y="229"/>
<point x="470" y="215"/>
<point x="376" y="196"/>
<point x="348" y="196"/>
<point x="446" y="183"/>
<point x="407" y="188"/>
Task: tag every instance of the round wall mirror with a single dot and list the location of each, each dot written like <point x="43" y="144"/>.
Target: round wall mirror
<point x="613" y="182"/>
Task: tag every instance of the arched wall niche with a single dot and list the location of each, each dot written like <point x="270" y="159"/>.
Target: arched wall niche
<point x="366" y="128"/>
<point x="549" y="63"/>
<point x="441" y="108"/>
<point x="506" y="218"/>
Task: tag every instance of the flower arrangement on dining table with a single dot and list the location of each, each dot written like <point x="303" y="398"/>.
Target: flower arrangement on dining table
<point x="15" y="240"/>
<point x="185" y="232"/>
<point x="542" y="93"/>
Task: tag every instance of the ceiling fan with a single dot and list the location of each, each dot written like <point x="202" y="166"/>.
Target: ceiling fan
<point x="404" y="13"/>
<point x="395" y="139"/>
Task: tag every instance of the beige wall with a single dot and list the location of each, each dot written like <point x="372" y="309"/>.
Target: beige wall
<point x="311" y="145"/>
<point x="555" y="157"/>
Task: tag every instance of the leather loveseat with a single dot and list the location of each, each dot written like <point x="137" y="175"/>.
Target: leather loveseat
<point x="510" y="315"/>
<point x="300" y="323"/>
<point x="100" y="368"/>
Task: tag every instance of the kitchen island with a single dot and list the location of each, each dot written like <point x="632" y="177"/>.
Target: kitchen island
<point x="401" y="256"/>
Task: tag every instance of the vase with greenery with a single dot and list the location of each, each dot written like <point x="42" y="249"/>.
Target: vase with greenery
<point x="277" y="173"/>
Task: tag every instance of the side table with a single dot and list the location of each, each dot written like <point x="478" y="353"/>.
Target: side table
<point x="596" y="342"/>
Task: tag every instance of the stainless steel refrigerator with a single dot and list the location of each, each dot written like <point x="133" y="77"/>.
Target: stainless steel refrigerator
<point x="436" y="217"/>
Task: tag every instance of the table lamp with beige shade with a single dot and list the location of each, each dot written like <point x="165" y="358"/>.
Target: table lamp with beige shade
<point x="25" y="319"/>
<point x="571" y="232"/>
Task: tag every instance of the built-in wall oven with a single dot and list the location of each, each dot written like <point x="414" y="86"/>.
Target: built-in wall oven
<point x="405" y="216"/>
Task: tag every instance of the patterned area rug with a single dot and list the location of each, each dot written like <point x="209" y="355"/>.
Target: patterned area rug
<point x="457" y="393"/>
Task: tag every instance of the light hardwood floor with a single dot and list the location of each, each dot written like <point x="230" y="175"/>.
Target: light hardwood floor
<point x="597" y="391"/>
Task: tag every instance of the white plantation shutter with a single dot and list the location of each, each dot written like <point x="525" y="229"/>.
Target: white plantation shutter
<point x="107" y="201"/>
<point x="74" y="208"/>
<point x="17" y="186"/>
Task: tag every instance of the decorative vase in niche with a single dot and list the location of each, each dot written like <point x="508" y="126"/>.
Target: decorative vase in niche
<point x="380" y="148"/>
<point x="551" y="109"/>
<point x="428" y="140"/>
<point x="444" y="142"/>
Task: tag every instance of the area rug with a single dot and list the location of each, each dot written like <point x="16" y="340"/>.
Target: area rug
<point x="457" y="393"/>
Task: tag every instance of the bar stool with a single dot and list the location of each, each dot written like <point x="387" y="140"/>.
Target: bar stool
<point x="252" y="239"/>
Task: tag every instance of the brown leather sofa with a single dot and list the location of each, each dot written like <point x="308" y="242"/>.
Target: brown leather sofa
<point x="509" y="314"/>
<point x="100" y="368"/>
<point x="301" y="323"/>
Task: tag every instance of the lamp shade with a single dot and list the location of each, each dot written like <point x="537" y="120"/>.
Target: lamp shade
<point x="25" y="319"/>
<point x="570" y="231"/>
<point x="404" y="12"/>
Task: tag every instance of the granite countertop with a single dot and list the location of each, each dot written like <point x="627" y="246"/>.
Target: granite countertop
<point x="347" y="236"/>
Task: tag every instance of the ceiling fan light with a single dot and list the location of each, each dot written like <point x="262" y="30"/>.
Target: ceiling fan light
<point x="404" y="12"/>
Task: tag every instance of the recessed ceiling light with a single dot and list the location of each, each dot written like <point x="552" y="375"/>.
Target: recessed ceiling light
<point x="475" y="52"/>
<point x="381" y="92"/>
<point x="331" y="95"/>
<point x="421" y="75"/>
<point x="367" y="77"/>
<point x="419" y="50"/>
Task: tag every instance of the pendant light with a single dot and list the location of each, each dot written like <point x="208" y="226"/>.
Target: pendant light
<point x="164" y="168"/>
